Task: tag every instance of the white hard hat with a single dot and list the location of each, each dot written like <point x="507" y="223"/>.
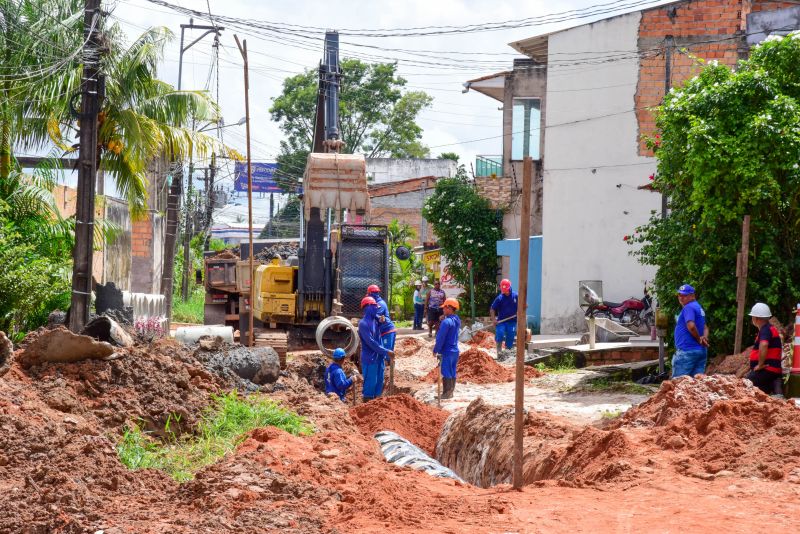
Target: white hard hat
<point x="424" y="278"/>
<point x="418" y="283"/>
<point x="760" y="310"/>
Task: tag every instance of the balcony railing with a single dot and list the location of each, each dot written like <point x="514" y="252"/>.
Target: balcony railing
<point x="488" y="166"/>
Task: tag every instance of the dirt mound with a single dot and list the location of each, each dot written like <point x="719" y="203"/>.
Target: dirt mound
<point x="409" y="347"/>
<point x="477" y="367"/>
<point x="224" y="255"/>
<point x="483" y="339"/>
<point x="417" y="422"/>
<point x="735" y="364"/>
<point x="713" y="426"/>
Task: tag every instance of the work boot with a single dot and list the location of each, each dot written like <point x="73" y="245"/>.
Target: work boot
<point x="499" y="348"/>
<point x="449" y="386"/>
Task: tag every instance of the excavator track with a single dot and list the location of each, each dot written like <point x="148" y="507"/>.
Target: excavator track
<point x="277" y="339"/>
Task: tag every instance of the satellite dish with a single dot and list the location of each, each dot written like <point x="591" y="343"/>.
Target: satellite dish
<point x="402" y="253"/>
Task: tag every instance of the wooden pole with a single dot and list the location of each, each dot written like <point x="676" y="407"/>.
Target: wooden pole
<point x="243" y="50"/>
<point x="741" y="284"/>
<point x="87" y="170"/>
<point x="522" y="316"/>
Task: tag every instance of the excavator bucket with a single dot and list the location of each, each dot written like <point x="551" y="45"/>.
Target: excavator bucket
<point x="337" y="181"/>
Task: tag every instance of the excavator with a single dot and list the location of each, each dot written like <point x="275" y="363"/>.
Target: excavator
<point x="316" y="295"/>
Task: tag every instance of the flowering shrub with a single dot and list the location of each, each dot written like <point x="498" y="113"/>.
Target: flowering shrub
<point x="467" y="228"/>
<point x="151" y="328"/>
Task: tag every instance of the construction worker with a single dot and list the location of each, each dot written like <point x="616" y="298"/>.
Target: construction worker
<point x="373" y="354"/>
<point x="385" y="325"/>
<point x="433" y="306"/>
<point x="419" y="304"/>
<point x="504" y="314"/>
<point x="335" y="380"/>
<point x="691" y="336"/>
<point x="446" y="346"/>
<point x="765" y="357"/>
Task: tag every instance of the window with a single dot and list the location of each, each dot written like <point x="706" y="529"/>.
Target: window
<point x="526" y="123"/>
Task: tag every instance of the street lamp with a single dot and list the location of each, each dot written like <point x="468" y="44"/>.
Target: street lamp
<point x="221" y="124"/>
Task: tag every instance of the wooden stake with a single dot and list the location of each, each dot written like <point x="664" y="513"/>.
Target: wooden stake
<point x="522" y="315"/>
<point x="741" y="284"/>
<point x="243" y="50"/>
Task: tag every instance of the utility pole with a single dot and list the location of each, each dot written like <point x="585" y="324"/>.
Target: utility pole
<point x="243" y="50"/>
<point x="91" y="96"/>
<point x="522" y="318"/>
<point x="187" y="235"/>
<point x="741" y="283"/>
<point x="173" y="199"/>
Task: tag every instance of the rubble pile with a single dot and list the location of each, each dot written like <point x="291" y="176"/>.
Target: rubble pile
<point x="284" y="250"/>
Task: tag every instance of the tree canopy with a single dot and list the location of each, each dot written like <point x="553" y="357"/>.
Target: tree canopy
<point x="376" y="117"/>
<point x="729" y="145"/>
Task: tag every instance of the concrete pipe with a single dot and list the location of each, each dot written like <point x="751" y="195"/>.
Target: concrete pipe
<point x="190" y="334"/>
<point x="339" y="321"/>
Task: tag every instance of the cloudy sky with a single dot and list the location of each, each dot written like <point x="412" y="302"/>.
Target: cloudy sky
<point x="455" y="121"/>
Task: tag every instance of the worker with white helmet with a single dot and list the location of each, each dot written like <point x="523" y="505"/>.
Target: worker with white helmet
<point x="446" y="346"/>
<point x="767" y="352"/>
<point x="419" y="304"/>
<point x="336" y="381"/>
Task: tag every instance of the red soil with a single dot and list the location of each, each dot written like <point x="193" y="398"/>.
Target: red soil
<point x="477" y="367"/>
<point x="417" y="422"/>
<point x="483" y="339"/>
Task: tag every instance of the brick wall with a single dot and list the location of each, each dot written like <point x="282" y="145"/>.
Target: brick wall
<point x="410" y="216"/>
<point x="621" y="355"/>
<point x="498" y="190"/>
<point x="142" y="238"/>
<point x="708" y="29"/>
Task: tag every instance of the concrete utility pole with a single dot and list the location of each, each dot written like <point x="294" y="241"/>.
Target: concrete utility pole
<point x="741" y="283"/>
<point x="522" y="318"/>
<point x="243" y="50"/>
<point x="92" y="86"/>
<point x="173" y="198"/>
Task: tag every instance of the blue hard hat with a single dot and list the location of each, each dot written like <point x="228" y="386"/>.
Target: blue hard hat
<point x="338" y="354"/>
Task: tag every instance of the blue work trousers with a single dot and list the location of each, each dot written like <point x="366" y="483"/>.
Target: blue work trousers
<point x="449" y="364"/>
<point x="373" y="379"/>
<point x="506" y="332"/>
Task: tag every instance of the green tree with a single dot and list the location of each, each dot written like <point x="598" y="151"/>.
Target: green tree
<point x="401" y="272"/>
<point x="449" y="155"/>
<point x="376" y="117"/>
<point x="729" y="145"/>
<point x="286" y="222"/>
<point x="467" y="228"/>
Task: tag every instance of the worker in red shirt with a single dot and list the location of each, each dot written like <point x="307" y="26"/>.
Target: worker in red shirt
<point x="765" y="357"/>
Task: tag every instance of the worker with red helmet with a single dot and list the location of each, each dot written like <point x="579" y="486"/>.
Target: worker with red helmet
<point x="386" y="327"/>
<point x="373" y="354"/>
<point x="504" y="313"/>
<point x="446" y="346"/>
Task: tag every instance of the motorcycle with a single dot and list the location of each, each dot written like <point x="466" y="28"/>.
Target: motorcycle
<point x="631" y="312"/>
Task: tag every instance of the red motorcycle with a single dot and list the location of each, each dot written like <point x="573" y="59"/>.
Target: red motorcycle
<point x="632" y="311"/>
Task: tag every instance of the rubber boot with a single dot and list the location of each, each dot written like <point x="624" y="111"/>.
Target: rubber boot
<point x="452" y="387"/>
<point x="499" y="348"/>
<point x="449" y="386"/>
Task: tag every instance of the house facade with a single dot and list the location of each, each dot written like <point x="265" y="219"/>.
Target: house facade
<point x="601" y="82"/>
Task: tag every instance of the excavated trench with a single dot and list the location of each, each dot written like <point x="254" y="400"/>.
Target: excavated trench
<point x="708" y="427"/>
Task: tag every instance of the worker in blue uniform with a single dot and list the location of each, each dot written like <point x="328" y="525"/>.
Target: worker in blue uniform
<point x="386" y="327"/>
<point x="373" y="354"/>
<point x="446" y="346"/>
<point x="336" y="380"/>
<point x="504" y="314"/>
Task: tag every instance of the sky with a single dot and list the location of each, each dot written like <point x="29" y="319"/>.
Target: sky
<point x="452" y="124"/>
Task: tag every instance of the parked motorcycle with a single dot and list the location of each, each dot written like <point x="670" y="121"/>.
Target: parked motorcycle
<point x="631" y="312"/>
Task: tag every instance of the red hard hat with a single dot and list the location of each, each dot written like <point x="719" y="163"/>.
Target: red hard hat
<point x="373" y="289"/>
<point x="505" y="283"/>
<point x="368" y="301"/>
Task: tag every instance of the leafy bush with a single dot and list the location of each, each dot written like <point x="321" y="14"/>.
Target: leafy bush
<point x="729" y="145"/>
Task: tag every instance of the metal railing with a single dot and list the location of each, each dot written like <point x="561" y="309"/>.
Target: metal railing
<point x="488" y="166"/>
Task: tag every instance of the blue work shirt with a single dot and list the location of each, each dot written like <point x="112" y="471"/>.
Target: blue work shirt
<point x="447" y="335"/>
<point x="336" y="381"/>
<point x="505" y="306"/>
<point x="683" y="338"/>
<point x="369" y="334"/>
<point x="386" y="326"/>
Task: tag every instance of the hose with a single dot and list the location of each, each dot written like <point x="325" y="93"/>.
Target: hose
<point x="337" y="320"/>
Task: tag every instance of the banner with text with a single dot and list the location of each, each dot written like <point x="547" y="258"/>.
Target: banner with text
<point x="263" y="177"/>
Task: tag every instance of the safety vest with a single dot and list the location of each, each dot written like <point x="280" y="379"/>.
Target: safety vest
<point x="774" y="352"/>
